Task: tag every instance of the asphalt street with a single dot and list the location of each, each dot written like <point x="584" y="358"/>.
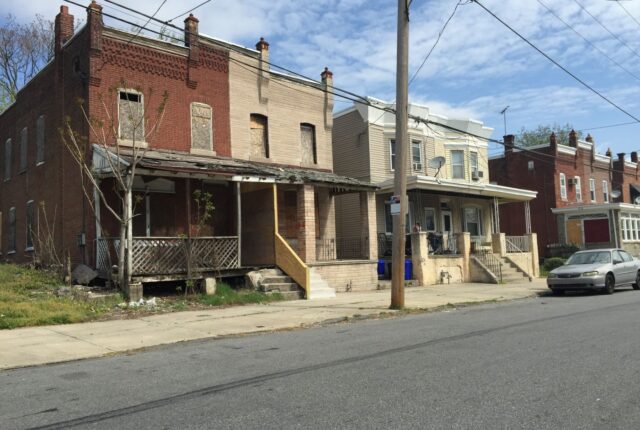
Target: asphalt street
<point x="568" y="362"/>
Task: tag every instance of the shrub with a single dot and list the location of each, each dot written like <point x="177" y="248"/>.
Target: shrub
<point x="553" y="263"/>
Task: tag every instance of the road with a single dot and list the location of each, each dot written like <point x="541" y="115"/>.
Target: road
<point x="552" y="362"/>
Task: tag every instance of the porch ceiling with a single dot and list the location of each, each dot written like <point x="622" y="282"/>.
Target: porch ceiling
<point x="463" y="188"/>
<point x="241" y="170"/>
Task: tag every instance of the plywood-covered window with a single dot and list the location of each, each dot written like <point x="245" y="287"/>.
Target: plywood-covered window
<point x="259" y="136"/>
<point x="40" y="140"/>
<point x="23" y="149"/>
<point x="131" y="116"/>
<point x="308" y="141"/>
<point x="12" y="230"/>
<point x="201" y="126"/>
<point x="30" y="226"/>
<point x="7" y="159"/>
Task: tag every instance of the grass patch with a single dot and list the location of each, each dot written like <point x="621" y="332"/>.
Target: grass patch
<point x="225" y="295"/>
<point x="27" y="298"/>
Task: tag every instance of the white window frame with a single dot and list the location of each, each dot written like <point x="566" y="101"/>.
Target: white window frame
<point x="630" y="227"/>
<point x="480" y="220"/>
<point x="578" y="187"/>
<point x="592" y="189"/>
<point x="473" y="162"/>
<point x="605" y="191"/>
<point x="432" y="211"/>
<point x="130" y="142"/>
<point x="454" y="165"/>
<point x="420" y="163"/>
<point x="563" y="186"/>
<point x="392" y="154"/>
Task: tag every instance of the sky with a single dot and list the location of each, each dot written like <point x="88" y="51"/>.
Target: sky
<point x="477" y="69"/>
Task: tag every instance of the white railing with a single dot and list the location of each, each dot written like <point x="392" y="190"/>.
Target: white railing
<point x="169" y="255"/>
<point x="518" y="243"/>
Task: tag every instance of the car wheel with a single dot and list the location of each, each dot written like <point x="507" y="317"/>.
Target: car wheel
<point x="609" y="284"/>
<point x="557" y="292"/>
<point x="636" y="285"/>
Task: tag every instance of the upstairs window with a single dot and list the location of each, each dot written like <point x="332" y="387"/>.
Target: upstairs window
<point x="578" y="188"/>
<point x="605" y="191"/>
<point x="40" y="140"/>
<point x="23" y="149"/>
<point x="29" y="240"/>
<point x="201" y="127"/>
<point x="7" y="159"/>
<point x="416" y="155"/>
<point x="12" y="230"/>
<point x="259" y="136"/>
<point x="131" y="116"/>
<point x="308" y="140"/>
<point x="392" y="153"/>
<point x="457" y="164"/>
<point x="473" y="161"/>
<point x="592" y="189"/>
<point x="563" y="186"/>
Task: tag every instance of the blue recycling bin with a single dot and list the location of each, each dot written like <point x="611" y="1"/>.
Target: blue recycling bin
<point x="380" y="267"/>
<point x="408" y="270"/>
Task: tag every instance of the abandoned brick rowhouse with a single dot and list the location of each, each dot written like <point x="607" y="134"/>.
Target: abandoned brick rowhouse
<point x="258" y="141"/>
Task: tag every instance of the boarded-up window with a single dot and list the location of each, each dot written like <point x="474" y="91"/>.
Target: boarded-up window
<point x="40" y="140"/>
<point x="259" y="136"/>
<point x="131" y="116"/>
<point x="308" y="139"/>
<point x="12" y="230"/>
<point x="23" y="149"/>
<point x="7" y="159"/>
<point x="201" y="126"/>
<point x="29" y="240"/>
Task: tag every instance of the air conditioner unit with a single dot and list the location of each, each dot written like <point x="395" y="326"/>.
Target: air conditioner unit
<point x="477" y="175"/>
<point x="417" y="166"/>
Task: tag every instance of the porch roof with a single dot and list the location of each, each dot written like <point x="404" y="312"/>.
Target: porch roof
<point x="454" y="187"/>
<point x="236" y="170"/>
<point x="590" y="209"/>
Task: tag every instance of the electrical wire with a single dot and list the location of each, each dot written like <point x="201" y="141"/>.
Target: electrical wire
<point x="190" y="10"/>
<point x="147" y="23"/>
<point x="628" y="13"/>
<point x="548" y="57"/>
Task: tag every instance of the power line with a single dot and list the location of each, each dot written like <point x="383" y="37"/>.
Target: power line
<point x="588" y="41"/>
<point x="147" y="23"/>
<point x="190" y="10"/>
<point x="628" y="13"/>
<point x="606" y="29"/>
<point x="599" y="94"/>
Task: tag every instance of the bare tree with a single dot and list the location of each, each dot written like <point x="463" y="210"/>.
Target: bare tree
<point x="122" y="146"/>
<point x="24" y="50"/>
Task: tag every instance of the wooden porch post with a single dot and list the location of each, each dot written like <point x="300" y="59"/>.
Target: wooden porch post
<point x="239" y="221"/>
<point x="496" y="215"/>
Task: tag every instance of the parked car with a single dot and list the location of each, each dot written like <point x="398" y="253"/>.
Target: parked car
<point x="598" y="269"/>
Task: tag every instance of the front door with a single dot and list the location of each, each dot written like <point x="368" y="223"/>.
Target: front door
<point x="447" y="224"/>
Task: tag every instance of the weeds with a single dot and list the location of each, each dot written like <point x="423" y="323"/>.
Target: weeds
<point x="225" y="295"/>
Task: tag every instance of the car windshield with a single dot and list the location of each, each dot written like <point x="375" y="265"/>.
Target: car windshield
<point x="590" y="258"/>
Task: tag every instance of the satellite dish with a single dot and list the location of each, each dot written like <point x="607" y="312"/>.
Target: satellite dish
<point x="436" y="163"/>
<point x="636" y="201"/>
<point x="615" y="194"/>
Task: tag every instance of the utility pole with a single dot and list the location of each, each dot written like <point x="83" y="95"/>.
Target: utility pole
<point x="503" y="112"/>
<point x="400" y="173"/>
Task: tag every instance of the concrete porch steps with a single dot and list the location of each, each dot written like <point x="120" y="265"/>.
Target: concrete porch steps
<point x="319" y="288"/>
<point x="275" y="281"/>
<point x="511" y="273"/>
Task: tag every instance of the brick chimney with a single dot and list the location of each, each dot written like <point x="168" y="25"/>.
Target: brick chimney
<point x="634" y="156"/>
<point x="509" y="143"/>
<point x="327" y="81"/>
<point x="553" y="141"/>
<point x="621" y="158"/>
<point x="608" y="153"/>
<point x="573" y="139"/>
<point x="589" y="138"/>
<point x="191" y="30"/>
<point x="263" y="47"/>
<point x="63" y="28"/>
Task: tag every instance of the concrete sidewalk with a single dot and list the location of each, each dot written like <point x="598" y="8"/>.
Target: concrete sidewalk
<point x="51" y="344"/>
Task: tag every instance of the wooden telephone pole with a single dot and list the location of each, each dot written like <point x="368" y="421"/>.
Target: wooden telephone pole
<point x="400" y="173"/>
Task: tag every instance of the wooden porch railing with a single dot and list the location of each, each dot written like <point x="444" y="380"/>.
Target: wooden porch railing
<point x="168" y="255"/>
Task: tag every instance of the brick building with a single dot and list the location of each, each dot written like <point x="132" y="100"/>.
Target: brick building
<point x="582" y="195"/>
<point x="259" y="142"/>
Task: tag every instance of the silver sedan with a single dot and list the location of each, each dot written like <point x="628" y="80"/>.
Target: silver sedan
<point x="601" y="269"/>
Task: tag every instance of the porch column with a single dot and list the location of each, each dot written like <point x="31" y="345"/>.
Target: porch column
<point x="533" y="243"/>
<point x="527" y="216"/>
<point x="463" y="244"/>
<point x="306" y="215"/>
<point x="238" y="193"/>
<point x="499" y="244"/>
<point x="419" y="257"/>
<point x="496" y="215"/>
<point x="368" y="224"/>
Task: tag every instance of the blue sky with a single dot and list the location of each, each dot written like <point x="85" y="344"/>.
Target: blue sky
<point x="477" y="69"/>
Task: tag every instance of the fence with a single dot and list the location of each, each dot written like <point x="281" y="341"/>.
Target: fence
<point x="169" y="255"/>
<point x="351" y="248"/>
<point x="518" y="243"/>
